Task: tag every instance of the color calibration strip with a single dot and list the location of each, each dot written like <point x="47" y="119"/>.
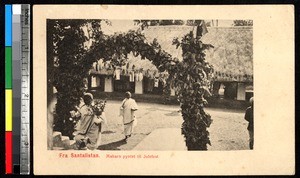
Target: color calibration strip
<point x="17" y="89"/>
<point x="25" y="90"/>
<point x="8" y="89"/>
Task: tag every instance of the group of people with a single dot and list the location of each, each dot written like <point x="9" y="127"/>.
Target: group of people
<point x="90" y="125"/>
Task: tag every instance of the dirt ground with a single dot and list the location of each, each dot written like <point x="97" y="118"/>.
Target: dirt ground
<point x="227" y="132"/>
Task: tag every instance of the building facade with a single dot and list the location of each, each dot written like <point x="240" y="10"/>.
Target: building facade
<point x="232" y="58"/>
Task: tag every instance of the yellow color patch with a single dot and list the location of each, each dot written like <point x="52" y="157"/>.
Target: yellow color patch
<point x="8" y="110"/>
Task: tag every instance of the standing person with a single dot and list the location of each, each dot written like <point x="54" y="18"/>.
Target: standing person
<point x="249" y="118"/>
<point x="127" y="110"/>
<point x="87" y="130"/>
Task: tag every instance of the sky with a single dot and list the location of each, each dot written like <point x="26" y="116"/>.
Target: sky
<point x="117" y="26"/>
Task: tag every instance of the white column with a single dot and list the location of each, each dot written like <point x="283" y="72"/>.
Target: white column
<point x="108" y="86"/>
<point x="138" y="87"/>
<point x="241" y="92"/>
<point x="93" y="81"/>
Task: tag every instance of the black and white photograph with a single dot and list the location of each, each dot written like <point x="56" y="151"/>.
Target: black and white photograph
<point x="163" y="90"/>
<point x="158" y="85"/>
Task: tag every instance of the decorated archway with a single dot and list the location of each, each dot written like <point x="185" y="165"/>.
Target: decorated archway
<point x="75" y="44"/>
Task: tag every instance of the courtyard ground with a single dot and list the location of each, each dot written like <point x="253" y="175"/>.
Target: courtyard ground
<point x="227" y="132"/>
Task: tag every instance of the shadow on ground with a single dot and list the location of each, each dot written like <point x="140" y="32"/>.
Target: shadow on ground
<point x="108" y="132"/>
<point x="174" y="113"/>
<point x="113" y="145"/>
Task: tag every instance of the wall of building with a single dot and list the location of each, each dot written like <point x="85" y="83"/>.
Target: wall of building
<point x="241" y="91"/>
<point x="138" y="87"/>
<point x="108" y="84"/>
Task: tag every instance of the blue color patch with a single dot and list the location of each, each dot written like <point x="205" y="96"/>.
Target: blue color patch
<point x="8" y="25"/>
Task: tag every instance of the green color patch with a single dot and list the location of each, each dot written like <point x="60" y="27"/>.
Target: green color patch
<point x="8" y="67"/>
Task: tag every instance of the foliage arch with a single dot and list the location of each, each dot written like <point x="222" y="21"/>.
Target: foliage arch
<point x="74" y="45"/>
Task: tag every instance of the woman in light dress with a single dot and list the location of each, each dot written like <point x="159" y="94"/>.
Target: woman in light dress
<point x="127" y="110"/>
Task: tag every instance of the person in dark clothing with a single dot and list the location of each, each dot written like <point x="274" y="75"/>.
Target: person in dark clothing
<point x="249" y="118"/>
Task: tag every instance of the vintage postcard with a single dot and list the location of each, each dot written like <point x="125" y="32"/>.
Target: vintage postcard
<point x="163" y="90"/>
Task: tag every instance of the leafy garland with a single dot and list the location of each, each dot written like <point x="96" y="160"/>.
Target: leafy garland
<point x="191" y="76"/>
